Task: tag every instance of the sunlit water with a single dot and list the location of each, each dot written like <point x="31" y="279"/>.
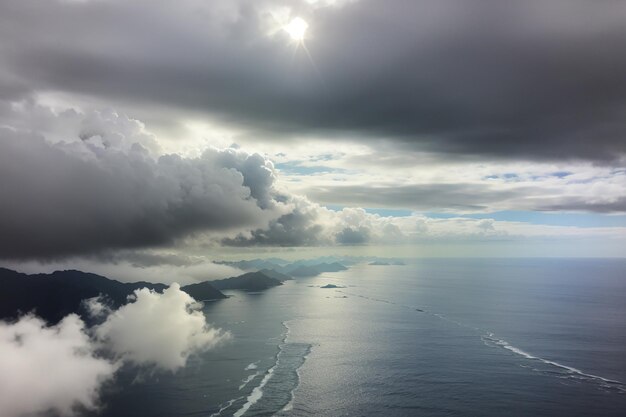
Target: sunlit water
<point x="435" y="338"/>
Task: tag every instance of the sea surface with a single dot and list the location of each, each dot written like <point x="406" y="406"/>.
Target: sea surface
<point x="440" y="337"/>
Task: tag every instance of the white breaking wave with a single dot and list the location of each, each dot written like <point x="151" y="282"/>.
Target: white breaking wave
<point x="292" y="394"/>
<point x="247" y="380"/>
<point x="252" y="366"/>
<point x="225" y="407"/>
<point x="287" y="331"/>
<point x="256" y="393"/>
<point x="490" y="340"/>
<point x="285" y="348"/>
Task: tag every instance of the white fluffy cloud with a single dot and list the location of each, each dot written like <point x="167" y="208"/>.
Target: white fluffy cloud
<point x="62" y="368"/>
<point x="49" y="368"/>
<point x="160" y="330"/>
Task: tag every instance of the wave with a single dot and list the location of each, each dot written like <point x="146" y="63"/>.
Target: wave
<point x="256" y="393"/>
<point x="252" y="366"/>
<point x="275" y="392"/>
<point x="292" y="393"/>
<point x="225" y="406"/>
<point x="247" y="380"/>
<point x="491" y="340"/>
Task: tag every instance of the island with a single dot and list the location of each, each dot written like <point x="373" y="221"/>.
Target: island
<point x="283" y="270"/>
<point x="54" y="296"/>
<point x="251" y="281"/>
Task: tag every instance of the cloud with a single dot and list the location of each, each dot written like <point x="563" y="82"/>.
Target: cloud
<point x="49" y="368"/>
<point x="160" y="330"/>
<point x="99" y="192"/>
<point x="452" y="196"/>
<point x="350" y="236"/>
<point x="62" y="368"/>
<point x="355" y="226"/>
<point x="608" y="204"/>
<point x="95" y="184"/>
<point x="106" y="128"/>
<point x="524" y="80"/>
<point x="299" y="227"/>
<point x="147" y="258"/>
<point x="424" y="184"/>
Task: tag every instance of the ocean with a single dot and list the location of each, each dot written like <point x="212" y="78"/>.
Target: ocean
<point x="435" y="337"/>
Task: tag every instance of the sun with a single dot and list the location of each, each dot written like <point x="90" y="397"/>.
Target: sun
<point x="296" y="28"/>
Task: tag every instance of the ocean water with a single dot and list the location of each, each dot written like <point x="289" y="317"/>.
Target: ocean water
<point x="444" y="337"/>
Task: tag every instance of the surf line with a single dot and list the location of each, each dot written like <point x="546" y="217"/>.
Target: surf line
<point x="257" y="392"/>
<point x="490" y="340"/>
<point x="225" y="407"/>
<point x="247" y="380"/>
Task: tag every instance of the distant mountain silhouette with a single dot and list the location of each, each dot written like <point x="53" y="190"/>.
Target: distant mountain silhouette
<point x="299" y="269"/>
<point x="330" y="267"/>
<point x="284" y="266"/>
<point x="275" y="274"/>
<point x="395" y="262"/>
<point x="303" y="271"/>
<point x="203" y="291"/>
<point x="256" y="264"/>
<point x="53" y="296"/>
<point x="251" y="281"/>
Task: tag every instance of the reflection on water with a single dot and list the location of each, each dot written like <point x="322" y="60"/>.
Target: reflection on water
<point x="410" y="340"/>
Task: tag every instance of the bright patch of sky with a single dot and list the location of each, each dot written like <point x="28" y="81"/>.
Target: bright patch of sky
<point x="544" y="218"/>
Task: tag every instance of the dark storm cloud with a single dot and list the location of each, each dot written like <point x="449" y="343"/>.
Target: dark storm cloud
<point x="297" y="228"/>
<point x="528" y="79"/>
<point x="82" y="197"/>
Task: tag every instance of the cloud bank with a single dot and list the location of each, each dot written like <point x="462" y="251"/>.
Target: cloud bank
<point x="63" y="368"/>
<point x="355" y="226"/>
<point x="105" y="190"/>
<point x="93" y="188"/>
<point x="516" y="80"/>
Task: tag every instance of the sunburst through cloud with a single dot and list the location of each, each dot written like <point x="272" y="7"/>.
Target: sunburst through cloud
<point x="312" y="207"/>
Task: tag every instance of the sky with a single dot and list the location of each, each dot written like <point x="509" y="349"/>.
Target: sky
<point x="138" y="140"/>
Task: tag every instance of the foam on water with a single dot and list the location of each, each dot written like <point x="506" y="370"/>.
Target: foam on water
<point x="292" y="394"/>
<point x="224" y="407"/>
<point x="491" y="340"/>
<point x="289" y="406"/>
<point x="252" y="366"/>
<point x="274" y="395"/>
<point x="247" y="380"/>
<point x="256" y="393"/>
